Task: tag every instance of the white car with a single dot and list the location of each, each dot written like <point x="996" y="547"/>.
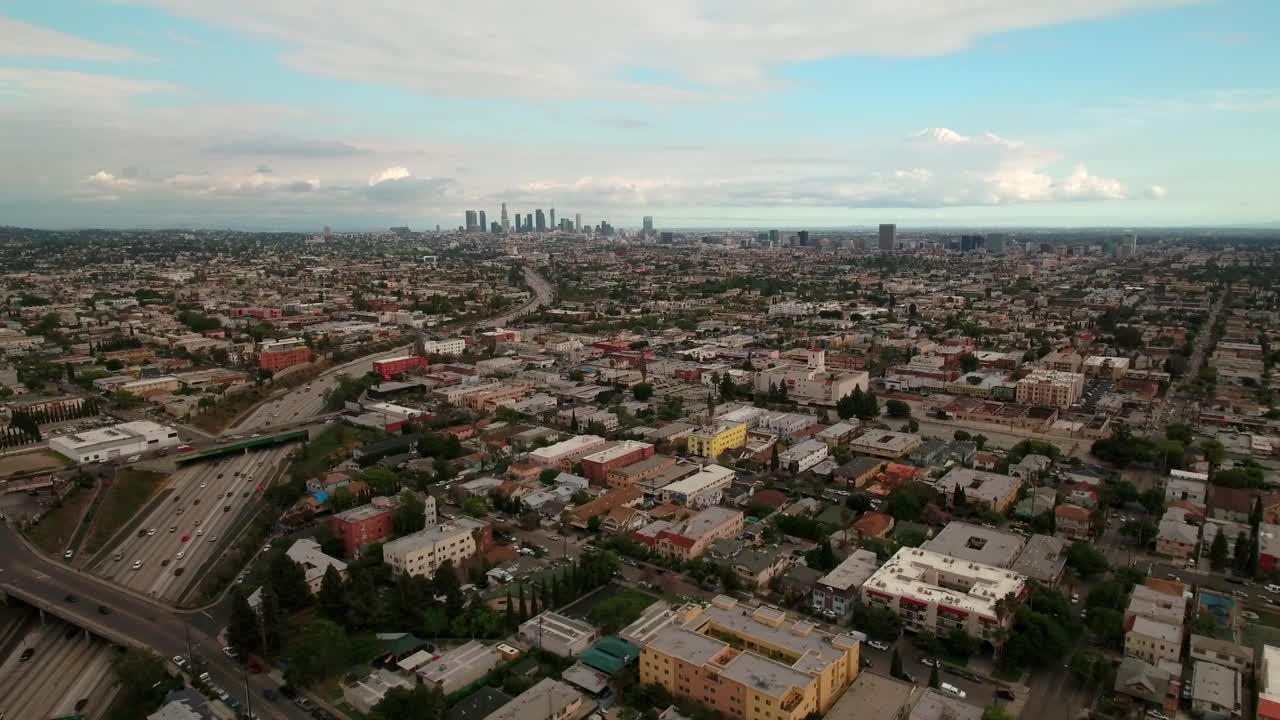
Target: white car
<point x="137" y="564"/>
<point x="880" y="645"/>
<point x="151" y="532"/>
<point x="204" y="485"/>
<point x="1075" y="598"/>
<point x="181" y="554"/>
<point x="930" y="662"/>
<point x="67" y="555"/>
<point x="1273" y="588"/>
<point x="948" y="687"/>
<point x="134" y="458"/>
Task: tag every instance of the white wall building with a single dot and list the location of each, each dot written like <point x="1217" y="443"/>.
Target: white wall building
<point x="424" y="551"/>
<point x="117" y="441"/>
<point x="704" y="489"/>
<point x="558" y="634"/>
<point x="803" y="456"/>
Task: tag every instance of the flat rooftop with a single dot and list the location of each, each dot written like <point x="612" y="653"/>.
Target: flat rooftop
<point x="553" y="624"/>
<point x="855" y="570"/>
<point x="979" y="544"/>
<point x="920" y="574"/>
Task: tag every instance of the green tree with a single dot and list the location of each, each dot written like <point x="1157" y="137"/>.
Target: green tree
<point x="411" y="516"/>
<point x="320" y="650"/>
<point x="417" y="703"/>
<point x="961" y="436"/>
<point x="968" y="362"/>
<point x="1085" y="559"/>
<point x="243" y="632"/>
<point x="288" y="581"/>
<point x="895" y="665"/>
<point x="642" y="391"/>
<point x="897" y="409"/>
<point x="1241" y="554"/>
<point x="934" y="681"/>
<point x="1218" y="551"/>
<point x="143" y="684"/>
<point x="332" y="598"/>
<point x="995" y="712"/>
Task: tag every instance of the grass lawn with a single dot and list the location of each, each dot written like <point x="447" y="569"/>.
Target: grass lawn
<point x="58" y="526"/>
<point x="130" y="490"/>
<point x="31" y="461"/>
<point x="611" y="607"/>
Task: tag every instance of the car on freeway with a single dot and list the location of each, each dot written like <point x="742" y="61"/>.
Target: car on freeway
<point x="104" y="610"/>
<point x="151" y="532"/>
<point x="205" y="484"/>
<point x="27" y="654"/>
<point x="137" y="564"/>
<point x="71" y="598"/>
<point x="185" y="448"/>
<point x="230" y="652"/>
<point x="186" y="538"/>
<point x="134" y="458"/>
<point x="173" y="528"/>
<point x="181" y="554"/>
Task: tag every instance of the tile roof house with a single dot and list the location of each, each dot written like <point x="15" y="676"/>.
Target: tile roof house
<point x="874" y="524"/>
<point x="1072" y="521"/>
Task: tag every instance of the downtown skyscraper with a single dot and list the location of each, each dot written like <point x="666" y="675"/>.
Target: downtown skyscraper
<point x="540" y="223"/>
<point x="506" y="225"/>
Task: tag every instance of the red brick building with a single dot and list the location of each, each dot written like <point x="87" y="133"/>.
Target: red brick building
<point x="596" y="466"/>
<point x="366" y="524"/>
<point x="262" y="313"/>
<point x="277" y="355"/>
<point x="391" y="367"/>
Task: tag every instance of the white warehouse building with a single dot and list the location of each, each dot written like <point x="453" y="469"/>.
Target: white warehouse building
<point x="131" y="438"/>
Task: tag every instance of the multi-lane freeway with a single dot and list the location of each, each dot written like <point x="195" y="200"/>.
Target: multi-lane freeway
<point x="53" y="669"/>
<point x="191" y="525"/>
<point x="123" y="617"/>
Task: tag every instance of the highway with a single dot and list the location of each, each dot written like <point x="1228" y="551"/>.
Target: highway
<point x="69" y="670"/>
<point x="301" y="403"/>
<point x="131" y="619"/>
<point x="194" y="519"/>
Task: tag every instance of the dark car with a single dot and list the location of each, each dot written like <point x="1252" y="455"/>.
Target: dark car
<point x="26" y="654"/>
<point x="71" y="598"/>
<point x="104" y="610"/>
<point x="1005" y="694"/>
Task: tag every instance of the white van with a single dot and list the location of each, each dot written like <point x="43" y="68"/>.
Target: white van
<point x="948" y="687"/>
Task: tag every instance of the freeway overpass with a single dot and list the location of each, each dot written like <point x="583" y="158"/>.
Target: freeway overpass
<point x="130" y="619"/>
<point x="236" y="448"/>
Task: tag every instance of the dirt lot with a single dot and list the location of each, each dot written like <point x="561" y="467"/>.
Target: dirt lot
<point x="58" y="526"/>
<point x="30" y="461"/>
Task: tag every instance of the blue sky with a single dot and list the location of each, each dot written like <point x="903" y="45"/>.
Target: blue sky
<point x="295" y="114"/>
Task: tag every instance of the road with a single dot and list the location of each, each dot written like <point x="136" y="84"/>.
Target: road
<point x="131" y="618"/>
<point x="302" y="403"/>
<point x="70" y="670"/>
<point x="194" y="519"/>
<point x="542" y="294"/>
<point x="1178" y="408"/>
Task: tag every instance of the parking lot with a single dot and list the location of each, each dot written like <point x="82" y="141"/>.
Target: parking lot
<point x="190" y="525"/>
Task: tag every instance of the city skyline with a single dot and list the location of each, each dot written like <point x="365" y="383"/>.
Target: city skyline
<point x="164" y="113"/>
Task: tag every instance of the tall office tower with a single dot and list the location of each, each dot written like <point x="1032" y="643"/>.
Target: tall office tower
<point x="528" y="222"/>
<point x="577" y="222"/>
<point x="970" y="243"/>
<point x="1131" y="241"/>
<point x="803" y="236"/>
<point x="518" y="225"/>
<point x="668" y="237"/>
<point x="506" y="226"/>
<point x="995" y="243"/>
<point x="494" y="227"/>
<point x="551" y="222"/>
<point x="775" y="238"/>
<point x="540" y="224"/>
<point x="471" y="221"/>
<point x="482" y="226"/>
<point x="648" y="224"/>
<point x="888" y="237"/>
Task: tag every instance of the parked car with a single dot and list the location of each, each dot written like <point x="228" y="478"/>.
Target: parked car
<point x="1006" y="694"/>
<point x="880" y="645"/>
<point x="930" y="662"/>
<point x="948" y="687"/>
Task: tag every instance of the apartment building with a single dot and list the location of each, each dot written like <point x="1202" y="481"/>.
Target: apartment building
<point x="803" y="456"/>
<point x="836" y="592"/>
<point x="1050" y="388"/>
<point x="939" y="594"/>
<point x="558" y="634"/>
<point x="1152" y="640"/>
<point x="549" y="699"/>
<point x="152" y="387"/>
<point x="566" y="452"/>
<point x="811" y="382"/>
<point x="276" y="355"/>
<point x="597" y="466"/>
<point x="712" y="440"/>
<point x="750" y="664"/>
<point x="456" y="346"/>
<point x="691" y="538"/>
<point x="637" y="473"/>
<point x="992" y="490"/>
<point x="703" y="489"/>
<point x="307" y="554"/>
<point x="422" y="552"/>
<point x="885" y="444"/>
<point x="370" y="523"/>
<point x="459" y="667"/>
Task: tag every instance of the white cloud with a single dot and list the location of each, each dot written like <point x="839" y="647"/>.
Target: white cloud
<point x="1157" y="192"/>
<point x="24" y="40"/>
<point x="672" y="49"/>
<point x="104" y="179"/>
<point x="1080" y="185"/>
<point x="398" y="172"/>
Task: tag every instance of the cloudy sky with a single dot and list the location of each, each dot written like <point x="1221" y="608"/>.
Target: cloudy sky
<point x="293" y="114"/>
